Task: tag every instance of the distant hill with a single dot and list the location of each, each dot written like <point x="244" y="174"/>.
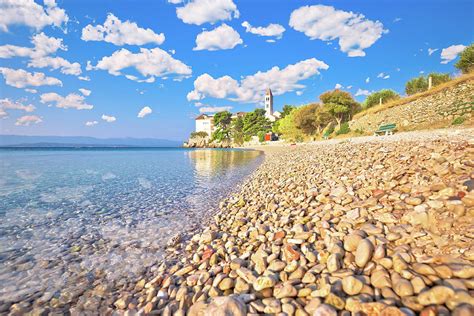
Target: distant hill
<point x="82" y="141"/>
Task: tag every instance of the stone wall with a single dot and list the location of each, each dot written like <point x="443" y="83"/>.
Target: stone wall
<point x="441" y="107"/>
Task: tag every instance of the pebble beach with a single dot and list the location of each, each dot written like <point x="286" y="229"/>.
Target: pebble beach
<point x="375" y="226"/>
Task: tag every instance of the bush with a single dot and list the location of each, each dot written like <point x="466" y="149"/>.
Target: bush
<point x="199" y="134"/>
<point x="466" y="60"/>
<point x="385" y="94"/>
<point x="345" y="129"/>
<point x="420" y="84"/>
<point x="261" y="136"/>
<point x="458" y="120"/>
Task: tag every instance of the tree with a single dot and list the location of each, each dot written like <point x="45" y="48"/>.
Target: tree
<point x="466" y="60"/>
<point x="438" y="78"/>
<point x="255" y="122"/>
<point x="222" y="122"/>
<point x="384" y="94"/>
<point x="340" y="104"/>
<point x="237" y="130"/>
<point x="287" y="128"/>
<point x="201" y="134"/>
<point x="287" y="110"/>
<point x="305" y="118"/>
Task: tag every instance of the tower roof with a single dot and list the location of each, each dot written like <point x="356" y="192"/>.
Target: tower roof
<point x="268" y="91"/>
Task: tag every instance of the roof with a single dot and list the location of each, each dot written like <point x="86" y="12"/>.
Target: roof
<point x="269" y="91"/>
<point x="203" y="117"/>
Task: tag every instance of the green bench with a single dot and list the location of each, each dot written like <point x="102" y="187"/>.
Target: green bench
<point x="387" y="129"/>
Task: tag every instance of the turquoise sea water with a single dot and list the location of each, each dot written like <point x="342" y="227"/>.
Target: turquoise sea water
<point x="70" y="216"/>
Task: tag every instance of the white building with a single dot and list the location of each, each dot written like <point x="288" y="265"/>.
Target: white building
<point x="269" y="113"/>
<point x="205" y="123"/>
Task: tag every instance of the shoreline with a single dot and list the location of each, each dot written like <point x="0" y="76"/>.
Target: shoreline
<point x="304" y="235"/>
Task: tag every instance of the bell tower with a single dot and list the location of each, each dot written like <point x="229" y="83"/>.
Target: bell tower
<point x="268" y="103"/>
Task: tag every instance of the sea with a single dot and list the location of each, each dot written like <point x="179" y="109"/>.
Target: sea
<point x="70" y="216"/>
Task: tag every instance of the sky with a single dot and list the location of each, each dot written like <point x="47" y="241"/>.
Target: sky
<point x="147" y="68"/>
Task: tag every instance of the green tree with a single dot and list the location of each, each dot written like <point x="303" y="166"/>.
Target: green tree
<point x="305" y="118"/>
<point x="222" y="121"/>
<point x="438" y="78"/>
<point x="237" y="130"/>
<point x="466" y="60"/>
<point x="340" y="104"/>
<point x="287" y="128"/>
<point x="384" y="94"/>
<point x="287" y="110"/>
<point x="255" y="122"/>
<point x="199" y="134"/>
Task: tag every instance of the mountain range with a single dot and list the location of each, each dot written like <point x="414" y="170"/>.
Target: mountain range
<point x="82" y="141"/>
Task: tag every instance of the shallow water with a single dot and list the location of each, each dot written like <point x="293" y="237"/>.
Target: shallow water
<point x="71" y="216"/>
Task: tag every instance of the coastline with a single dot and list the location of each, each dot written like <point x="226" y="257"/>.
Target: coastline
<point x="313" y="230"/>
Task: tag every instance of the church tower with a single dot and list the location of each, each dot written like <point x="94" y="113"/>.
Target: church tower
<point x="269" y="103"/>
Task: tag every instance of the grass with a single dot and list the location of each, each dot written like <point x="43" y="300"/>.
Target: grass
<point x="432" y="91"/>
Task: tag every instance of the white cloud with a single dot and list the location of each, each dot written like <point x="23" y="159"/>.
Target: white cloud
<point x="252" y="88"/>
<point x="84" y="78"/>
<point x="269" y="30"/>
<point x="85" y="92"/>
<point x="338" y="86"/>
<point x="20" y="78"/>
<point x="31" y="90"/>
<point x="214" y="109"/>
<point x="270" y="41"/>
<point x="367" y="80"/>
<point x="450" y="53"/>
<point x="383" y="76"/>
<point x="43" y="46"/>
<point x="222" y="37"/>
<point x="144" y="112"/>
<point x="207" y="11"/>
<point x="432" y="50"/>
<point x="299" y="93"/>
<point x="175" y="1"/>
<point x="121" y="33"/>
<point x="148" y="62"/>
<point x="349" y="87"/>
<point x="108" y="118"/>
<point x="7" y="104"/>
<point x="27" y="120"/>
<point x="31" y="14"/>
<point x="362" y="92"/>
<point x="354" y="31"/>
<point x="71" y="101"/>
<point x="91" y="123"/>
<point x="397" y="20"/>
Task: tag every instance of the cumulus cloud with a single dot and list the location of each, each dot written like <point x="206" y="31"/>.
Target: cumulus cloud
<point x="299" y="93"/>
<point x="7" y="104"/>
<point x="362" y="92"/>
<point x="121" y="33"/>
<point x="108" y="118"/>
<point x="144" y="112"/>
<point x="31" y="14"/>
<point x="31" y="90"/>
<point x="338" y="86"/>
<point x="148" y="62"/>
<point x="432" y="50"/>
<point x="214" y="109"/>
<point x="91" y="123"/>
<point x="207" y="11"/>
<point x="383" y="75"/>
<point x="450" y="53"/>
<point x="252" y="88"/>
<point x="20" y="78"/>
<point x="84" y="78"/>
<point x="354" y="31"/>
<point x="85" y="92"/>
<point x="28" y="120"/>
<point x="272" y="29"/>
<point x="43" y="46"/>
<point x="71" y="101"/>
<point x="222" y="37"/>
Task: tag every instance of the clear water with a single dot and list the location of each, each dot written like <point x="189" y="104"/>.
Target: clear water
<point x="69" y="216"/>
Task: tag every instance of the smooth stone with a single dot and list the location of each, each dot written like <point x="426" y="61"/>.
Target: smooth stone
<point x="436" y="295"/>
<point x="325" y="310"/>
<point x="226" y="305"/>
<point x="264" y="282"/>
<point x="352" y="285"/>
<point x="283" y="290"/>
<point x="364" y="252"/>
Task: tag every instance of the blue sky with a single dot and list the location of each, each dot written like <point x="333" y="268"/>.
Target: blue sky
<point x="198" y="57"/>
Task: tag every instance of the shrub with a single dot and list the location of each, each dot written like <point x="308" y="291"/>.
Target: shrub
<point x="466" y="60"/>
<point x="199" y="134"/>
<point x="458" y="120"/>
<point x="420" y="84"/>
<point x="345" y="129"/>
<point x="261" y="137"/>
<point x="385" y="94"/>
